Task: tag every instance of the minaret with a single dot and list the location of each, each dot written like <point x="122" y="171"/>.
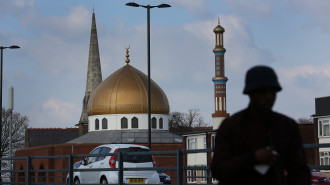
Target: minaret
<point x="219" y="80"/>
<point x="94" y="76"/>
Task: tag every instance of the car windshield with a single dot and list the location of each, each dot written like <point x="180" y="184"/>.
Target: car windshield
<point x="136" y="158"/>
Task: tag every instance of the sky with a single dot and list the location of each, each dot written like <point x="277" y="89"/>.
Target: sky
<point x="49" y="71"/>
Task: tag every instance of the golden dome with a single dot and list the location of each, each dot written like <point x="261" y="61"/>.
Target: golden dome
<point x="126" y="92"/>
<point x="219" y="29"/>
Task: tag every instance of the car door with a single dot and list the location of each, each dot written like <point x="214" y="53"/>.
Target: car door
<point x="100" y="163"/>
<point x="101" y="160"/>
<point x="91" y="177"/>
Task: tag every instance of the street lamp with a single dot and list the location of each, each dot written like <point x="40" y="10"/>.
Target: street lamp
<point x="2" y="48"/>
<point x="148" y="7"/>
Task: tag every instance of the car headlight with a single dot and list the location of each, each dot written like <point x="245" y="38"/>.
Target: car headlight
<point x="168" y="178"/>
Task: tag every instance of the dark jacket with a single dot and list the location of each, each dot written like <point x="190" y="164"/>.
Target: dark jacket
<point x="236" y="141"/>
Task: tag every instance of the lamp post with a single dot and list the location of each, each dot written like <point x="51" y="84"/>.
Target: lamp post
<point x="10" y="108"/>
<point x="2" y="48"/>
<point x="148" y="7"/>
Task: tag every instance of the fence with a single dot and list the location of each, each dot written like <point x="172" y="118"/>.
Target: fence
<point x="17" y="176"/>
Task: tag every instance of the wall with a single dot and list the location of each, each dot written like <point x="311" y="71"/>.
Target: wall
<point x="166" y="160"/>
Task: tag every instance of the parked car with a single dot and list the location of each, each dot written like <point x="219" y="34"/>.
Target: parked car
<point x="163" y="177"/>
<point x="75" y="166"/>
<point x="111" y="177"/>
<point x="319" y="178"/>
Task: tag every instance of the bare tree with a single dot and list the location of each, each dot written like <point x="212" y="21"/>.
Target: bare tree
<point x="177" y="122"/>
<point x="304" y="120"/>
<point x="19" y="125"/>
<point x="183" y="122"/>
<point x="194" y="118"/>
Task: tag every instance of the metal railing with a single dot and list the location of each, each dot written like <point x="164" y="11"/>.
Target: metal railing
<point x="26" y="176"/>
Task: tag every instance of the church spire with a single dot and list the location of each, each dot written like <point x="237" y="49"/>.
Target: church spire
<point x="94" y="75"/>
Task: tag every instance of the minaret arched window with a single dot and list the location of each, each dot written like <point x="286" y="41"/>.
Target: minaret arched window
<point x="216" y="103"/>
<point x="220" y="103"/>
<point x="104" y="123"/>
<point x="97" y="124"/>
<point x="161" y="123"/>
<point x="221" y="39"/>
<point x="135" y="123"/>
<point x="153" y="123"/>
<point x="124" y="123"/>
<point x="224" y="103"/>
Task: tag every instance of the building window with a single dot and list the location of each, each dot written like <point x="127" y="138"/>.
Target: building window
<point x="160" y="123"/>
<point x="214" y="180"/>
<point x="218" y="72"/>
<point x="204" y="142"/>
<point x="212" y="141"/>
<point x="218" y="63"/>
<point x="324" y="158"/>
<point x="153" y="123"/>
<point x="324" y="128"/>
<point x="192" y="143"/>
<point x="204" y="175"/>
<point x="191" y="176"/>
<point x="97" y="124"/>
<point x="135" y="123"/>
<point x="218" y="68"/>
<point x="104" y="123"/>
<point x="124" y="123"/>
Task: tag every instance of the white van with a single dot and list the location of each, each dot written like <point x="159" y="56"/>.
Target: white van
<point x="111" y="177"/>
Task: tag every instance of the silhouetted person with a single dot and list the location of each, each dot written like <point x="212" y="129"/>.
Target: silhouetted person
<point x="258" y="146"/>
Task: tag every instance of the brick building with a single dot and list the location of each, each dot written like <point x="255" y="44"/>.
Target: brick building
<point x="322" y="129"/>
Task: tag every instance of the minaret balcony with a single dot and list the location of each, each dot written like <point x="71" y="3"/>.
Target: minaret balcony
<point x="220" y="50"/>
<point x="220" y="80"/>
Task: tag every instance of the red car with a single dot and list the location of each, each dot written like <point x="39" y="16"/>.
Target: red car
<point x="319" y="178"/>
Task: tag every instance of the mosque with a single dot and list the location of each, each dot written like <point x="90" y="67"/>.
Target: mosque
<point x="115" y="110"/>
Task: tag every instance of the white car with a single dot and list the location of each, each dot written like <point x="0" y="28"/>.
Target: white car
<point x="111" y="177"/>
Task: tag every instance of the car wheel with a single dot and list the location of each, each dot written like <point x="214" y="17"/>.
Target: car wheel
<point x="76" y="181"/>
<point x="104" y="181"/>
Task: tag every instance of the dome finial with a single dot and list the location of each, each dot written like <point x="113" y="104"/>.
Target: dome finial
<point x="127" y="55"/>
<point x="218" y="20"/>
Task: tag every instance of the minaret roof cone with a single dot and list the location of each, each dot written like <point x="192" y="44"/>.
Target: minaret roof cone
<point x="219" y="28"/>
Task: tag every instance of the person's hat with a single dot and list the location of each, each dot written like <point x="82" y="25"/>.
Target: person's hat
<point x="260" y="76"/>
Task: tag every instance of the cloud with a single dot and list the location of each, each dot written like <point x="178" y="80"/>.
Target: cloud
<point x="316" y="13"/>
<point x="74" y="25"/>
<point x="301" y="85"/>
<point x="252" y="8"/>
<point x="16" y="7"/>
<point x="195" y="7"/>
<point x="315" y="76"/>
<point x="55" y="113"/>
<point x="239" y="42"/>
<point x="313" y="13"/>
<point x="61" y="45"/>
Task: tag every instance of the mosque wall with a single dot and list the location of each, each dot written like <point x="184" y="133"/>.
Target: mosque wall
<point x="116" y="121"/>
